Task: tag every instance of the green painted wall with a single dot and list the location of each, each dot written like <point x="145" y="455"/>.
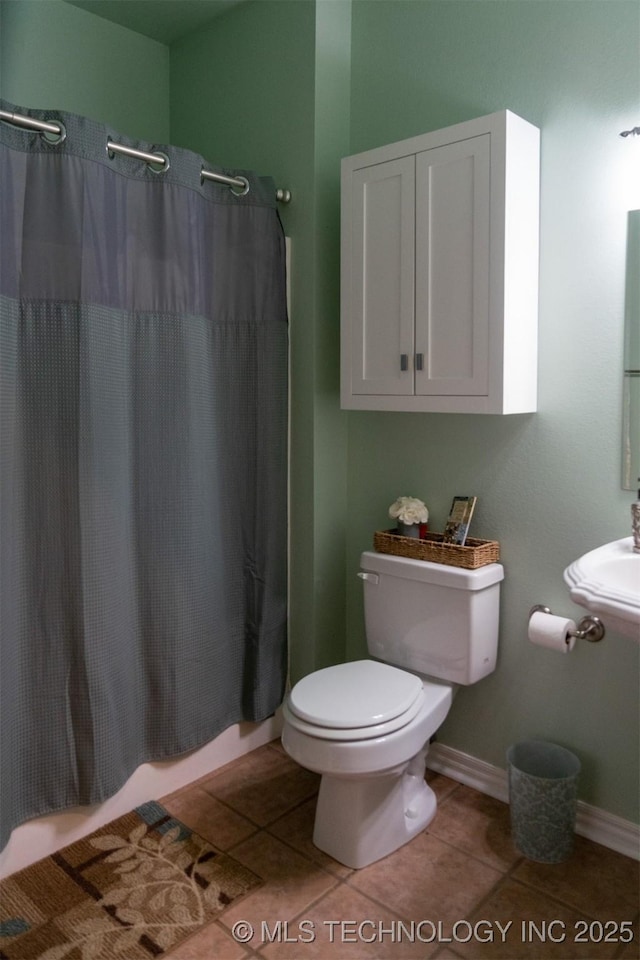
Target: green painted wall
<point x="548" y="484"/>
<point x="55" y="55"/>
<point x="267" y="87"/>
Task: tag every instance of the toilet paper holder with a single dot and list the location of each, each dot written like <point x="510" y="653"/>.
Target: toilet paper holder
<point x="589" y="628"/>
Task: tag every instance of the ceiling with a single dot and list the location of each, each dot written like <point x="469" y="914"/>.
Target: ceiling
<point x="163" y="20"/>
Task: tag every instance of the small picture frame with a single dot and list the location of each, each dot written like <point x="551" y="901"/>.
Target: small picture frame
<point x="459" y="519"/>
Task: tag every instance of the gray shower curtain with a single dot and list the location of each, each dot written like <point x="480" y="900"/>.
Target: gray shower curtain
<point x="144" y="456"/>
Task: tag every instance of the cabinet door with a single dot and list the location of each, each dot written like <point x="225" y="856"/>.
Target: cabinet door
<point x="382" y="278"/>
<point x="452" y="269"/>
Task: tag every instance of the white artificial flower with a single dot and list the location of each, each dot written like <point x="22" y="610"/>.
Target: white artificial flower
<point x="409" y="510"/>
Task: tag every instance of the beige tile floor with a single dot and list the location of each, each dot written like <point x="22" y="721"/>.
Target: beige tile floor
<point x="458" y="890"/>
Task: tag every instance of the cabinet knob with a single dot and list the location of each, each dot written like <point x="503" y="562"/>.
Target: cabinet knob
<point x="404" y="361"/>
<point x="419" y="361"/>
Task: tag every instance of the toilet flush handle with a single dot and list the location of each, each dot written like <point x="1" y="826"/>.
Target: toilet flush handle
<point x="372" y="577"/>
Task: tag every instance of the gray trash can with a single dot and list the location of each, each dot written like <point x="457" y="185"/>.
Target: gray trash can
<point x="542" y="795"/>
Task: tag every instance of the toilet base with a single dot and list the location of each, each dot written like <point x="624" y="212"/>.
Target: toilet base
<point x="361" y="820"/>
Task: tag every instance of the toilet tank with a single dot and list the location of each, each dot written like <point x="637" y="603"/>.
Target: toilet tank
<point x="432" y="618"/>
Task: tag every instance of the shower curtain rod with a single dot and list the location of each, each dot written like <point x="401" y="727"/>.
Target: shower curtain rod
<point x="241" y="184"/>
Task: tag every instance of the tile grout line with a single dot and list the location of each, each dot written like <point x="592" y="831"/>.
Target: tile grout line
<point x="251" y="820"/>
<point x="304" y="913"/>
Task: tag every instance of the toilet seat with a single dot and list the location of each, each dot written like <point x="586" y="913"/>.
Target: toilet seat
<point x="354" y="701"/>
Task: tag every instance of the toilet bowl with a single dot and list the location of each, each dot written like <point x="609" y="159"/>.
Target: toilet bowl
<point x="365" y="725"/>
<point x="370" y="747"/>
<point x="355" y="740"/>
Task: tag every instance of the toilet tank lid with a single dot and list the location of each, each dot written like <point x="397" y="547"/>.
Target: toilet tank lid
<point x="459" y="578"/>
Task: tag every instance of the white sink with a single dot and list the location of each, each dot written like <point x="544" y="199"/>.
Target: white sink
<point x="607" y="582"/>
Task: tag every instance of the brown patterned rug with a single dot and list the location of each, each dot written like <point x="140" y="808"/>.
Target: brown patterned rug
<point x="133" y="889"/>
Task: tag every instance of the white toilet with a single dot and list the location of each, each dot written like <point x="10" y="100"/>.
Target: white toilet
<point x="365" y="725"/>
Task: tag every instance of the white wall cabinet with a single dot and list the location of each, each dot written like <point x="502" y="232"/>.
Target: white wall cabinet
<point x="439" y="265"/>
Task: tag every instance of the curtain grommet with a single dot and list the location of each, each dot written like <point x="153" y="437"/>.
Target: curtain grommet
<point x="53" y="139"/>
<point x="157" y="162"/>
<point x="162" y="159"/>
<point x="241" y="191"/>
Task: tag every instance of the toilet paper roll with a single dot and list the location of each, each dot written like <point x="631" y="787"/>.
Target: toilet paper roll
<point x="551" y="632"/>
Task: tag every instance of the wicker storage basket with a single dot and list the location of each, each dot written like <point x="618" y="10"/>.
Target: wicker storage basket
<point x="475" y="553"/>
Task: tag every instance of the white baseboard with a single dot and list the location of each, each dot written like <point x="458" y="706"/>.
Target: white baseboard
<point x="595" y="824"/>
